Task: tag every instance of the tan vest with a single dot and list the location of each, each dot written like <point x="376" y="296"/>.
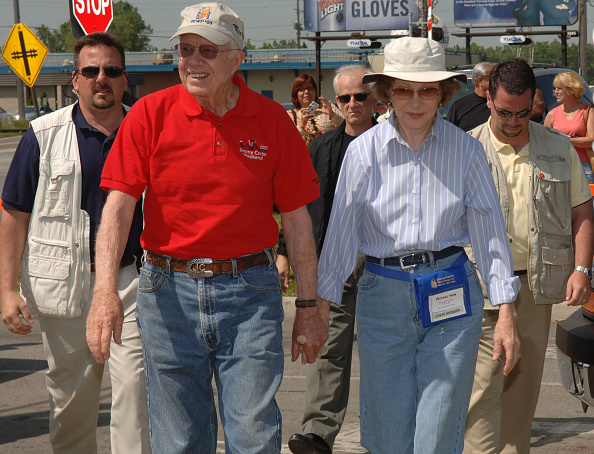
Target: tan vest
<point x="56" y="270"/>
<point x="550" y="253"/>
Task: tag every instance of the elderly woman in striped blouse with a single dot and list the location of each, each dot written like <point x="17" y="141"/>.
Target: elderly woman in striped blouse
<point x="411" y="193"/>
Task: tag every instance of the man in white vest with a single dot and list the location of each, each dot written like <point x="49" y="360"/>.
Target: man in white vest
<point x="52" y="207"/>
<point x="547" y="207"/>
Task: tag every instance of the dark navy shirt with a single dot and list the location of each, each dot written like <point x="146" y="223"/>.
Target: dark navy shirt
<point x="94" y="146"/>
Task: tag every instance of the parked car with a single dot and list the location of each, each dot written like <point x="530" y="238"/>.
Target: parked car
<point x="30" y="112"/>
<point x="545" y="74"/>
<point x="5" y="116"/>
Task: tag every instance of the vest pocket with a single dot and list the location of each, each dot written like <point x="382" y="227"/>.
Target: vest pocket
<point x="56" y="180"/>
<point x="557" y="266"/>
<point x="552" y="201"/>
<point x="44" y="284"/>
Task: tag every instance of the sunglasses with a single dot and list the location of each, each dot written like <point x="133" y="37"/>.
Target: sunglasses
<point x="359" y="97"/>
<point x="304" y="89"/>
<point x="113" y="72"/>
<point x="206" y="51"/>
<point x="425" y="94"/>
<point x="507" y="114"/>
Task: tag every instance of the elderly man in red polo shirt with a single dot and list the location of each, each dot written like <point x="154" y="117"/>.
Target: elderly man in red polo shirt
<point x="213" y="157"/>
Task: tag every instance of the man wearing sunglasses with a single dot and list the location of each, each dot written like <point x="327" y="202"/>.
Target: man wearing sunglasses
<point x="214" y="157"/>
<point x="547" y="207"/>
<point x="328" y="380"/>
<point x="52" y="207"/>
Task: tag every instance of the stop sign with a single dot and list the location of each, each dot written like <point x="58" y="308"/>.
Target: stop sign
<point x="93" y="15"/>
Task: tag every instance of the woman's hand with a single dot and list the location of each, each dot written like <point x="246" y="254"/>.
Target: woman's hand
<point x="326" y="108"/>
<point x="306" y="115"/>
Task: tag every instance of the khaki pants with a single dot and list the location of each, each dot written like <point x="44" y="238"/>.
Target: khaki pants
<point x="502" y="408"/>
<point x="74" y="380"/>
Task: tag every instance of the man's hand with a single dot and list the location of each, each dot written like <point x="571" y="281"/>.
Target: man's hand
<point x="311" y="322"/>
<point x="282" y="264"/>
<point x="14" y="312"/>
<point x="506" y="337"/>
<point x="106" y="317"/>
<point x="578" y="290"/>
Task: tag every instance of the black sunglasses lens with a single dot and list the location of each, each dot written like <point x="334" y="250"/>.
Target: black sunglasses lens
<point x="90" y="71"/>
<point x="524" y="113"/>
<point x="344" y="98"/>
<point x="113" y="72"/>
<point x="361" y="97"/>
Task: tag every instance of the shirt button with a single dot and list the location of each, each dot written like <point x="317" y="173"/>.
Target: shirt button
<point x="219" y="143"/>
<point x="414" y="191"/>
<point x="221" y="123"/>
<point x="414" y="221"/>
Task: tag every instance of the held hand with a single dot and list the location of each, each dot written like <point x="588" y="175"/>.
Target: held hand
<point x="282" y="264"/>
<point x="579" y="289"/>
<point x="310" y="323"/>
<point x="506" y="337"/>
<point x="15" y="314"/>
<point x="106" y="317"/>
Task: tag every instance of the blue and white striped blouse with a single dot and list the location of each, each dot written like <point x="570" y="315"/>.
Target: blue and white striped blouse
<point x="391" y="200"/>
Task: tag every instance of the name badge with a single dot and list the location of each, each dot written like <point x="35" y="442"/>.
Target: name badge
<point x="446" y="305"/>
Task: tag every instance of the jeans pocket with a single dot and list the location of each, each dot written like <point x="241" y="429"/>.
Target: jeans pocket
<point x="368" y="280"/>
<point x="260" y="279"/>
<point x="150" y="280"/>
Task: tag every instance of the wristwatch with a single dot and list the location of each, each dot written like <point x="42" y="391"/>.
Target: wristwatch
<point x="586" y="271"/>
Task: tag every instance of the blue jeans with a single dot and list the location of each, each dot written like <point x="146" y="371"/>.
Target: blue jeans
<point x="415" y="382"/>
<point x="229" y="326"/>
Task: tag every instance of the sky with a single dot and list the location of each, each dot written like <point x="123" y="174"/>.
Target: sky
<point x="265" y="20"/>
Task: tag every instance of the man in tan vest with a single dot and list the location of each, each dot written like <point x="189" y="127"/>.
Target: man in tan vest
<point x="546" y="203"/>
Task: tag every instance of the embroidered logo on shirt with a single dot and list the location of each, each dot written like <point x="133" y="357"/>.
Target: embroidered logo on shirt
<point x="253" y="151"/>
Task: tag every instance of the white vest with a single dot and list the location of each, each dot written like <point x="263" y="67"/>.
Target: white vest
<point x="56" y="270"/>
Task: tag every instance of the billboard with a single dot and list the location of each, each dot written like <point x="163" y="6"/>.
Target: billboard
<point x="514" y="13"/>
<point x="347" y="15"/>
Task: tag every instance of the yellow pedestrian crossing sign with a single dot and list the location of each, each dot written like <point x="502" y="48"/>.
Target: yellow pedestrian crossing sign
<point x="24" y="53"/>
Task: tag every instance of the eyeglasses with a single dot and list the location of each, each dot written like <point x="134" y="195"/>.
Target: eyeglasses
<point x="360" y="97"/>
<point x="206" y="51"/>
<point x="303" y="90"/>
<point x="507" y="114"/>
<point x="113" y="72"/>
<point x="425" y="94"/>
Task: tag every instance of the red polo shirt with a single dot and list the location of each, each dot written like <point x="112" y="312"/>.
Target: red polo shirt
<point x="210" y="182"/>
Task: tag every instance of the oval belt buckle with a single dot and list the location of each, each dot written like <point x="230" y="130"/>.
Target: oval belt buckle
<point x="196" y="268"/>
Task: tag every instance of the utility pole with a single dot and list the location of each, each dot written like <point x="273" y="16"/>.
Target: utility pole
<point x="583" y="39"/>
<point x="20" y="86"/>
<point x="297" y="26"/>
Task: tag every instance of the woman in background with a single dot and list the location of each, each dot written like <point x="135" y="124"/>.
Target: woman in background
<point x="573" y="118"/>
<point x="323" y="119"/>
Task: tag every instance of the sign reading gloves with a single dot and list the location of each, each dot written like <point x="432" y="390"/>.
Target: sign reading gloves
<point x="346" y="15"/>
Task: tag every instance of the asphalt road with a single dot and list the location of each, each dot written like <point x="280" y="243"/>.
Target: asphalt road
<point x="560" y="425"/>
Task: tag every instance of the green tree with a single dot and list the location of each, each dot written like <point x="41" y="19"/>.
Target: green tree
<point x="282" y="44"/>
<point x="131" y="28"/>
<point x="127" y="24"/>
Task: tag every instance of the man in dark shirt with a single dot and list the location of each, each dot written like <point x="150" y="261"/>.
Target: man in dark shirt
<point x="52" y="207"/>
<point x="471" y="110"/>
<point x="328" y="380"/>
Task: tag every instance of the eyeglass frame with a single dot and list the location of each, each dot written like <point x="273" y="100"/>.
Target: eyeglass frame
<point x="362" y="95"/>
<point x="200" y="49"/>
<point x="507" y="114"/>
<point x="105" y="69"/>
<point x="418" y="92"/>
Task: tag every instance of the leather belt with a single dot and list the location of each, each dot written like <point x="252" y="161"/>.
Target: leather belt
<point x="413" y="259"/>
<point x="125" y="262"/>
<point x="205" y="267"/>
